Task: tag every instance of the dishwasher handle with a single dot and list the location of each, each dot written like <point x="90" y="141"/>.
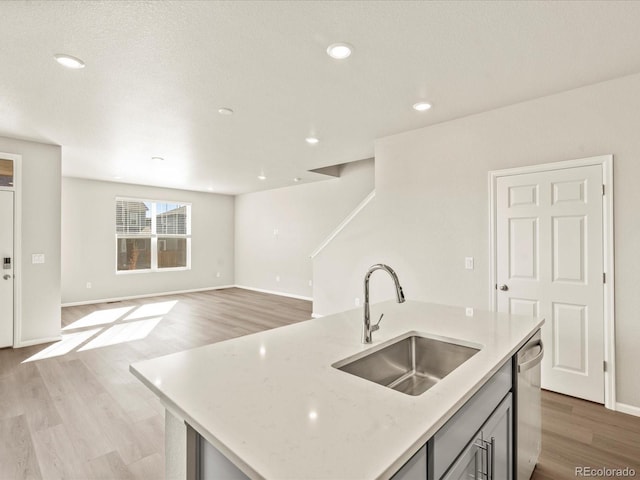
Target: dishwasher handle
<point x="535" y="360"/>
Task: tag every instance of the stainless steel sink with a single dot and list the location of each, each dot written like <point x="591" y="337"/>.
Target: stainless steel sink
<point x="411" y="365"/>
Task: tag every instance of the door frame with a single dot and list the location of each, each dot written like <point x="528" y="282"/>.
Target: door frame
<point x="606" y="163"/>
<point x="17" y="243"/>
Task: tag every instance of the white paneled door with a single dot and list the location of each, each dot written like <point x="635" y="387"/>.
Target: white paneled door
<point x="6" y="268"/>
<point x="549" y="263"/>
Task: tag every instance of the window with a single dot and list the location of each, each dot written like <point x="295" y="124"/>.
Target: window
<point x="6" y="173"/>
<point x="152" y="235"/>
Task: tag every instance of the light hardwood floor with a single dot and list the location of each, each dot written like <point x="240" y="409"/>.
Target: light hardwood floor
<point x="577" y="433"/>
<point x="82" y="415"/>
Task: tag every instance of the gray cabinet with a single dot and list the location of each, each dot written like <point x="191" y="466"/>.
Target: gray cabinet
<point x="462" y="429"/>
<point x="469" y="463"/>
<point x="213" y="465"/>
<point x="489" y="455"/>
<point x="497" y="436"/>
<point x="415" y="468"/>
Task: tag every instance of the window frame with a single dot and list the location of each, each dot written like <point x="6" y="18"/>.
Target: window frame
<point x="153" y="236"/>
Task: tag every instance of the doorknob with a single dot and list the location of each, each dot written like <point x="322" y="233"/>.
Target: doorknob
<point x="503" y="287"/>
<point x="6" y="276"/>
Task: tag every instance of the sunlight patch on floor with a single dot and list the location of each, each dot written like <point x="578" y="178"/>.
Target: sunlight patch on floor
<point x="99" y="317"/>
<point x="116" y="325"/>
<point x="67" y="344"/>
<point x="123" y="332"/>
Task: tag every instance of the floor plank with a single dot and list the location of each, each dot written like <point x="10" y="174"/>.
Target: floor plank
<point x="17" y="453"/>
<point x="57" y="457"/>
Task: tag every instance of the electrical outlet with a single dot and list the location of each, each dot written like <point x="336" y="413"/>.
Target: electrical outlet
<point x="357" y="302"/>
<point x="275" y="232"/>
<point x="217" y="274"/>
<point x="311" y="283"/>
<point x="468" y="263"/>
<point x="468" y="312"/>
<point x="277" y="278"/>
<point x="88" y="284"/>
<point x="37" y="258"/>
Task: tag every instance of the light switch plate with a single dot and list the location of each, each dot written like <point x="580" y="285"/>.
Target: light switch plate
<point x="468" y="263"/>
<point x="37" y="258"/>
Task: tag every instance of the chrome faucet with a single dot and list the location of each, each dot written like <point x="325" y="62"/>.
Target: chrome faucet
<point x="368" y="329"/>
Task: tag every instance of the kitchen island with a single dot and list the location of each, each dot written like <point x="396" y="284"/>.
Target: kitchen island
<point x="273" y="405"/>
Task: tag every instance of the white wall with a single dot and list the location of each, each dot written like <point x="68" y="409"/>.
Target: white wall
<point x="88" y="242"/>
<point x="304" y="216"/>
<point x="41" y="171"/>
<point x="431" y="207"/>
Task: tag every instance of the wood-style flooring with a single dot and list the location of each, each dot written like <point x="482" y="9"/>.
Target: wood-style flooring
<point x="72" y="410"/>
<point x="82" y="415"/>
<point x="577" y="433"/>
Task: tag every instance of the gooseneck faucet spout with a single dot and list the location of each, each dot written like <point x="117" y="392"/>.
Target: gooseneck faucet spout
<point x="368" y="329"/>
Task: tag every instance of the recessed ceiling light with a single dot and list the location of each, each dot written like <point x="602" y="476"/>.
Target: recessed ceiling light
<point x="339" y="51"/>
<point x="421" y="106"/>
<point x="225" y="111"/>
<point x="311" y="140"/>
<point x="157" y="158"/>
<point x="297" y="179"/>
<point x="69" y="61"/>
<point x="262" y="177"/>
<point x="117" y="177"/>
<point x="210" y="189"/>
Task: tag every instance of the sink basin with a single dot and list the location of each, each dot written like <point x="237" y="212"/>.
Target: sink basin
<point x="412" y="364"/>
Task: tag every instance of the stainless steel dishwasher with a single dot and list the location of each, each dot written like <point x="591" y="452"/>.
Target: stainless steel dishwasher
<point x="528" y="413"/>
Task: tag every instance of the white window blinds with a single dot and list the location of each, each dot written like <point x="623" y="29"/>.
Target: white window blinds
<point x="152" y="235"/>
<point x="171" y="219"/>
<point x="133" y="217"/>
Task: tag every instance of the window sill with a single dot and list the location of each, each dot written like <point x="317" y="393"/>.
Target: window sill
<point x="149" y="270"/>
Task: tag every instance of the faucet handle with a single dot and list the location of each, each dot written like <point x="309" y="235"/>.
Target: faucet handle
<point x="376" y="326"/>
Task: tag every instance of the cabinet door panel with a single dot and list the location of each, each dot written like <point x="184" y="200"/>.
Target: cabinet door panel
<point x="499" y="428"/>
<point x="469" y="464"/>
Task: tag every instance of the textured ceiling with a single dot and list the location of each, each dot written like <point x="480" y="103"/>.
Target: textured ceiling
<point x="156" y="73"/>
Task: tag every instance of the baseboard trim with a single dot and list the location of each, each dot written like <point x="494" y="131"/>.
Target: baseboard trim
<point x="272" y="292"/>
<point x="38" y="341"/>
<point x="628" y="409"/>
<point x="146" y="295"/>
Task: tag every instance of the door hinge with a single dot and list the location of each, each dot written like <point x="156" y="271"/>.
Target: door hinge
<point x="604" y="365"/>
<point x="602" y="189"/>
<point x="604" y="278"/>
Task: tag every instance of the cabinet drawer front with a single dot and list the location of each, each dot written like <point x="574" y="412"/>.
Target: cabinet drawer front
<point x="454" y="435"/>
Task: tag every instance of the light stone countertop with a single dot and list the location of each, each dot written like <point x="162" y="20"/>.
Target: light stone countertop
<point x="274" y="405"/>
